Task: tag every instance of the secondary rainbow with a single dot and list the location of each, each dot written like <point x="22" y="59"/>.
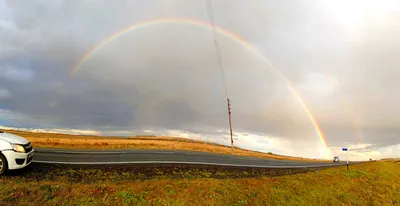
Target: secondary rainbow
<point x="345" y="101"/>
<point x="230" y="35"/>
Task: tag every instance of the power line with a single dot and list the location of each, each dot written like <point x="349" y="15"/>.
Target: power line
<point x="212" y="22"/>
<point x="221" y="66"/>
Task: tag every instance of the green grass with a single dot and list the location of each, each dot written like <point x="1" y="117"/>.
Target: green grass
<point x="375" y="183"/>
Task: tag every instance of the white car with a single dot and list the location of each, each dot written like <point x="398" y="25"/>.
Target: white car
<point x="15" y="152"/>
<point x="336" y="159"/>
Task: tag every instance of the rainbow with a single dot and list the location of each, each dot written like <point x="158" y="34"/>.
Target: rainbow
<point x="224" y="32"/>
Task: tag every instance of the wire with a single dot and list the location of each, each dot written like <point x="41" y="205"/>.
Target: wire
<point x="212" y="22"/>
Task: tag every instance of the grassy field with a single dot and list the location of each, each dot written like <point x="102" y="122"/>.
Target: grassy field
<point x="374" y="183"/>
<point x="172" y="143"/>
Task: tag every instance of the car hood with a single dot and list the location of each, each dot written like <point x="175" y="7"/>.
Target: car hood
<point x="12" y="138"/>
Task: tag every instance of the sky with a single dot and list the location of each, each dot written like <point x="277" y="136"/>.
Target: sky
<point x="341" y="57"/>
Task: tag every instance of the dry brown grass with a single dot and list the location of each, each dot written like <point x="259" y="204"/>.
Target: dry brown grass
<point x="51" y="140"/>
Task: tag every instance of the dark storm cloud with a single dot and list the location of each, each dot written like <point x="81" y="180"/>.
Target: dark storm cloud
<point x="344" y="66"/>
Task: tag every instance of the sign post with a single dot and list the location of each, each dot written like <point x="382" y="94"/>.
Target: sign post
<point x="347" y="161"/>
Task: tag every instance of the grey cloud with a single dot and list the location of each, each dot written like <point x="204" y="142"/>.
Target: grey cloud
<point x="167" y="76"/>
<point x="16" y="74"/>
<point x="4" y="93"/>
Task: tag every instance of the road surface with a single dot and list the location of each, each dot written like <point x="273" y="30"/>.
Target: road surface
<point x="108" y="157"/>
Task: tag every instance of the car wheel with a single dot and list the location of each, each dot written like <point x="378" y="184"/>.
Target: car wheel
<point x="3" y="164"/>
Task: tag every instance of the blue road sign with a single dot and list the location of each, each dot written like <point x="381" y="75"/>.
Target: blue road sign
<point x="344" y="149"/>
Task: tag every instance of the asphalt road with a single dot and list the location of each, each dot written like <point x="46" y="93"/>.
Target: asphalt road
<point x="109" y="157"/>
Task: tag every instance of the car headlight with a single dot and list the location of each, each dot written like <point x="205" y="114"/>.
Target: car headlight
<point x="18" y="148"/>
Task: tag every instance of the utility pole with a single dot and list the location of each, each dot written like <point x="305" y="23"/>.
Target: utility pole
<point x="230" y="120"/>
<point x="212" y="23"/>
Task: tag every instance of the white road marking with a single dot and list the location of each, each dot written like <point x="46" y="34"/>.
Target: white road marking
<point x="179" y="162"/>
<point x="88" y="152"/>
